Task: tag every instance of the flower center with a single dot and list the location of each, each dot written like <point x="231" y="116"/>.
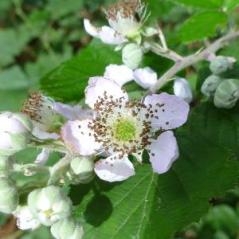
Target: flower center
<point x="121" y="126"/>
<point x="124" y="130"/>
<point x="48" y="213"/>
<point x="40" y="109"/>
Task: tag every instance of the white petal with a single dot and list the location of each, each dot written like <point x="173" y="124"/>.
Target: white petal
<point x="42" y="157"/>
<point x="72" y="112"/>
<point x="114" y="168"/>
<point x="182" y="89"/>
<point x="99" y="86"/>
<point x="79" y="138"/>
<point x="10" y="123"/>
<point x="40" y="134"/>
<point x="105" y="34"/>
<point x="163" y="152"/>
<point x="25" y="219"/>
<point x="120" y="74"/>
<point x="110" y="36"/>
<point x="145" y="77"/>
<point x="90" y="29"/>
<point x="169" y="111"/>
<point x="6" y="141"/>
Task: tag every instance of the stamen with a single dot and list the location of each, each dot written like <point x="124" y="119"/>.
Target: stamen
<point x="121" y="126"/>
<point x="40" y="109"/>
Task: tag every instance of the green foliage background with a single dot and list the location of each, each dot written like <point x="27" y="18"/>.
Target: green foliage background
<point x="44" y="46"/>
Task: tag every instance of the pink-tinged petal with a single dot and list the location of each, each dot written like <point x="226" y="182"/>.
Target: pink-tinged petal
<point x="145" y="77"/>
<point x="114" y="168"/>
<point x="182" y="89"/>
<point x="110" y="36"/>
<point x="42" y="157"/>
<point x="169" y="111"/>
<point x="72" y="112"/>
<point x="163" y="152"/>
<point x="98" y="87"/>
<point x="105" y="34"/>
<point x="79" y="138"/>
<point x="120" y="74"/>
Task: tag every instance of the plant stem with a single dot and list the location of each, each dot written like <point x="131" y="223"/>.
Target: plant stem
<point x="187" y="61"/>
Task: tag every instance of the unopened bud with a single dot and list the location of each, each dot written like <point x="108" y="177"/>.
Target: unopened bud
<point x="15" y="129"/>
<point x="49" y="205"/>
<point x="132" y="55"/>
<point x="81" y="170"/>
<point x="67" y="228"/>
<point x="210" y="85"/>
<point x="25" y="219"/>
<point x="9" y="195"/>
<point x="221" y="64"/>
<point x="182" y="89"/>
<point x="227" y="94"/>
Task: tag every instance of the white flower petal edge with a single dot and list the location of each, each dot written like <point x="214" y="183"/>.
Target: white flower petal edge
<point x="42" y="157"/>
<point x="106" y="34"/>
<point x="163" y="152"/>
<point x="78" y="137"/>
<point x="182" y="89"/>
<point x="114" y="168"/>
<point x="170" y="111"/>
<point x="120" y="74"/>
<point x="145" y="77"/>
<point x="90" y="29"/>
<point x="98" y="87"/>
<point x="41" y="134"/>
<point x="72" y="112"/>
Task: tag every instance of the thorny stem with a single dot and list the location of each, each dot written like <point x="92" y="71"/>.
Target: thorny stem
<point x="192" y="59"/>
<point x="164" y="52"/>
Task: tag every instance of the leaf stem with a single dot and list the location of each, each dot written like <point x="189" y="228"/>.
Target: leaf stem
<point x="187" y="61"/>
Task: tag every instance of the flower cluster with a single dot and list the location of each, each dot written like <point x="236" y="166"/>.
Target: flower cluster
<point x="224" y="91"/>
<point x="95" y="140"/>
<point x="108" y="136"/>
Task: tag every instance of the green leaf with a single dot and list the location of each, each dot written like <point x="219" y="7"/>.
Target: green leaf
<point x="207" y="4"/>
<point x="12" y="43"/>
<point x="12" y="100"/>
<point x="202" y="25"/>
<point x="40" y="233"/>
<point x="68" y="81"/>
<point x="46" y="63"/>
<point x="13" y="79"/>
<point x="60" y="8"/>
<point x="230" y="4"/>
<point x="148" y="206"/>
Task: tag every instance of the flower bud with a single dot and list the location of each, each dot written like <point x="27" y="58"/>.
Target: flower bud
<point x="25" y="219"/>
<point x="182" y="89"/>
<point x="9" y="195"/>
<point x="15" y="131"/>
<point x="210" y="85"/>
<point x="132" y="55"/>
<point x="221" y="64"/>
<point x="227" y="94"/>
<point x="49" y="205"/>
<point x="81" y="170"/>
<point x="67" y="228"/>
<point x="14" y="123"/>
